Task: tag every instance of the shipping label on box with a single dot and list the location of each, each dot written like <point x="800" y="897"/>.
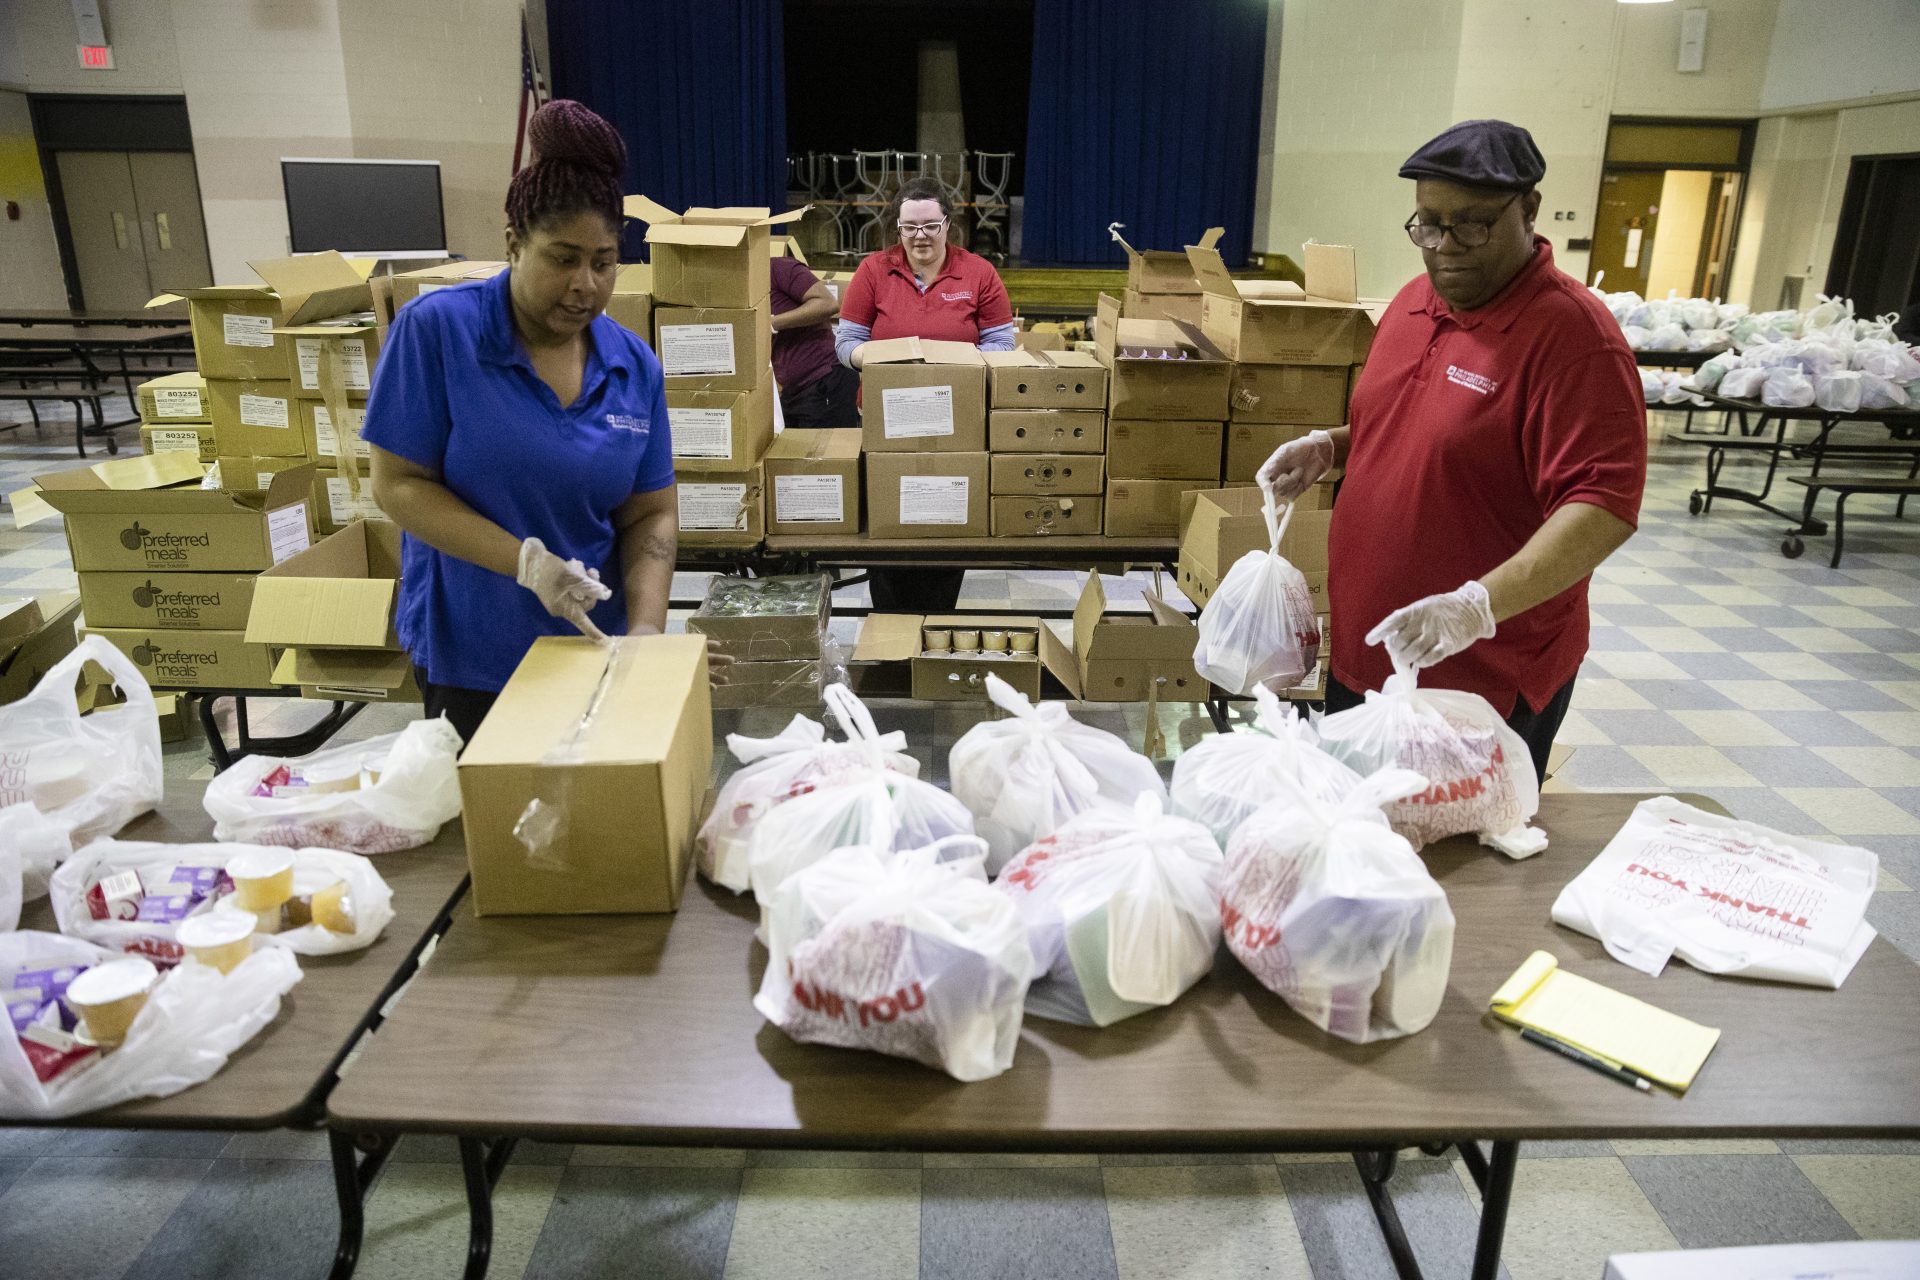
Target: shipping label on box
<point x="927" y="495"/>
<point x="813" y="479"/>
<point x="1046" y="473"/>
<point x="355" y="348"/>
<point x="1046" y="431"/>
<point x="810" y="500"/>
<point x="1150" y="450"/>
<point x="711" y="506"/>
<point x="181" y="659"/>
<point x="323" y="440"/>
<point x="344" y="506"/>
<point x="721" y="430"/>
<point x="1289" y="394"/>
<point x="1040" y="516"/>
<point x="919" y="395"/>
<point x="256" y="418"/>
<point x="712" y="350"/>
<point x="181" y="601"/>
<point x="194" y="438"/>
<point x="173" y="397"/>
<point x="720" y="508"/>
<point x="934" y="500"/>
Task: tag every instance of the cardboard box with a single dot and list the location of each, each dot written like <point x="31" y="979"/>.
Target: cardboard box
<point x="710" y="349"/>
<point x="1250" y="444"/>
<point x="1150" y="450"/>
<point x="632" y="301"/>
<point x="193" y="438"/>
<point x="409" y="285"/>
<point x="1184" y="307"/>
<point x="721" y="430"/>
<point x="173" y="397"/>
<point x="919" y="395"/>
<point x="331" y="609"/>
<point x="183" y="659"/>
<point x="720" y="508"/>
<point x="1046" y="431"/>
<point x="233" y="324"/>
<point x="1063" y="474"/>
<point x="786" y="247"/>
<point x="952" y="676"/>
<point x="836" y="282"/>
<point x="1162" y="270"/>
<point x="630" y="793"/>
<point x="1039" y="340"/>
<point x="1278" y="322"/>
<point x="1159" y="368"/>
<point x="927" y="495"/>
<point x="1219" y="526"/>
<point x="339" y="503"/>
<point x="244" y="473"/>
<point x="769" y="637"/>
<point x="1145" y="508"/>
<point x="322" y="442"/>
<point x="343" y="350"/>
<point x="1020" y="517"/>
<point x="255" y="417"/>
<point x="20" y="617"/>
<point x="349" y="675"/>
<point x="175" y="601"/>
<point x="1290" y="394"/>
<point x="708" y="257"/>
<point x="1127" y="657"/>
<point x="798" y="683"/>
<point x="813" y="482"/>
<point x="33" y="655"/>
<point x="141" y="514"/>
<point x="1051" y="380"/>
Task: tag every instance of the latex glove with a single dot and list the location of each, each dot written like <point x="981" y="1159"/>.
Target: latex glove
<point x="565" y="588"/>
<point x="1295" y="465"/>
<point x="1434" y="629"/>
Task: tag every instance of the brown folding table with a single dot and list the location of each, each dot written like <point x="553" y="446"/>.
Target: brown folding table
<point x="640" y="1029"/>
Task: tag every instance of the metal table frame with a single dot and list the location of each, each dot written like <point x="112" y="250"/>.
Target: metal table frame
<point x="1817" y="450"/>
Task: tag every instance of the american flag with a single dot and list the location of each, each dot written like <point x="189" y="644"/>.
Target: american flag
<point x="533" y="93"/>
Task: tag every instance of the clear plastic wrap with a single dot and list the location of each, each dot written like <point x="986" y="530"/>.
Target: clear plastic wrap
<point x="1221" y="781"/>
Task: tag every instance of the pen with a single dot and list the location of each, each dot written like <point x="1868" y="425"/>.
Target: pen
<point x="1586" y="1059"/>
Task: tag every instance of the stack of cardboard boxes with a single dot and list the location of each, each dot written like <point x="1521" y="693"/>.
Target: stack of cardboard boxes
<point x="1160" y="284"/>
<point x="1046" y="432"/>
<point x="174" y="415"/>
<point x="713" y="332"/>
<point x="923" y="417"/>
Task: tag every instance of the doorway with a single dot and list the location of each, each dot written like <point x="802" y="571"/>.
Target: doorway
<point x="1668" y="207"/>
<point x="1876" y="248"/>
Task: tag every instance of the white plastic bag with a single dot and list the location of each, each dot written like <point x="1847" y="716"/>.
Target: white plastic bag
<point x="377" y="796"/>
<point x="194" y="1020"/>
<point x="903" y="954"/>
<point x="1828" y="311"/>
<point x="1637" y="336"/>
<point x="1787" y="389"/>
<point x="1024" y="776"/>
<point x="1122" y="910"/>
<point x="1839" y="392"/>
<point x="1743" y="383"/>
<point x="1668" y="337"/>
<point x="1709" y="375"/>
<point x="1708" y="340"/>
<point x="90" y="774"/>
<point x="1333" y="912"/>
<point x="1479" y="771"/>
<point x="1698" y="313"/>
<point x="1259" y="628"/>
<point x="1653" y="385"/>
<point x="1891" y="360"/>
<point x="31" y="845"/>
<point x="1725" y="896"/>
<point x="1223" y="779"/>
<point x="313" y="869"/>
<point x="795" y="762"/>
<point x="1880" y="393"/>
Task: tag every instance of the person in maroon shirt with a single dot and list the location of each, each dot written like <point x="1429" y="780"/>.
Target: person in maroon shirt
<point x="1496" y="449"/>
<point x="816" y="390"/>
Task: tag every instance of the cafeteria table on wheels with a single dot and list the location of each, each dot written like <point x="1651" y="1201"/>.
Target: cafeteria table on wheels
<point x="640" y="1030"/>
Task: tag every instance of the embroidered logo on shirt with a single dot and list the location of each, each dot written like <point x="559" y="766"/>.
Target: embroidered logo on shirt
<point x="963" y="296"/>
<point x="1471" y="381"/>
<point x="626" y="422"/>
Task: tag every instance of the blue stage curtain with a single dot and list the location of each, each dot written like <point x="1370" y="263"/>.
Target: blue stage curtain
<point x="698" y="89"/>
<point x="1145" y="113"/>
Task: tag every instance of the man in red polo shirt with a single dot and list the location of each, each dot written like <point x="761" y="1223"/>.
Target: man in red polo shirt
<point x="1496" y="449"/>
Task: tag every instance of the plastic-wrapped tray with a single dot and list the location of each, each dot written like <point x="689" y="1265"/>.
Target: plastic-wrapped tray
<point x="766" y="619"/>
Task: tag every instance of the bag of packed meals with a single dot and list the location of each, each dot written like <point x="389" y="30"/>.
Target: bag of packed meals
<point x="1223" y="779"/>
<point x="1259" y="627"/>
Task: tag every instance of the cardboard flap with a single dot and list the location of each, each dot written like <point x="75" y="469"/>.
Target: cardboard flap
<point x="1331" y="273"/>
<point x="350" y="613"/>
<point x="648" y="210"/>
<point x="742" y="214"/>
<point x="1210" y="270"/>
<point x="352" y="326"/>
<point x="935" y="351"/>
<point x="314" y="285"/>
<point x="1073" y="360"/>
<point x="292" y="485"/>
<point x="213" y="291"/>
<point x="1106" y="323"/>
<point x="634" y="277"/>
<point x="362" y="668"/>
<point x="688" y="235"/>
<point x="1057" y="657"/>
<point x="888" y="637"/>
<point x="1113" y="229"/>
<point x="1211" y="237"/>
<point x="1015" y="359"/>
<point x="1086" y="613"/>
<point x="1165" y="614"/>
<point x="124" y="475"/>
<point x="891" y="351"/>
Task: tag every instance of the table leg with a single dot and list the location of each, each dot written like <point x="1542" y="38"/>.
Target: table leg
<point x="1376" y="1170"/>
<point x="353" y="1178"/>
<point x="1496" y="1192"/>
<point x="482" y="1167"/>
<point x="216" y="742"/>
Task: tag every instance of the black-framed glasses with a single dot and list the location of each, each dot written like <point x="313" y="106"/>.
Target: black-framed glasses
<point x="1468" y="235"/>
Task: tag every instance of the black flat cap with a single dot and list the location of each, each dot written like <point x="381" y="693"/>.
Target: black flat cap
<point x="1480" y="153"/>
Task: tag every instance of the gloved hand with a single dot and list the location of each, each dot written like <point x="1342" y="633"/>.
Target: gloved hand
<point x="1434" y="629"/>
<point x="1296" y="464"/>
<point x="566" y="588"/>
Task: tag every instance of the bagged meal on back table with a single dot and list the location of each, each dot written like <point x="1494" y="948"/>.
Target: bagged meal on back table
<point x="1259" y="627"/>
<point x="1223" y="779"/>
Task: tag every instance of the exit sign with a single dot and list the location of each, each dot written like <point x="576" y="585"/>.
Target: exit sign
<point x="96" y="57"/>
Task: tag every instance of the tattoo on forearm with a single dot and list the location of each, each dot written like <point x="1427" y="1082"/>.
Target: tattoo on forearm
<point x="655" y="547"/>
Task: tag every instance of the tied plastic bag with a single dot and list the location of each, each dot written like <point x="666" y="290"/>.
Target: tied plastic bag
<point x="90" y="774"/>
<point x="1024" y="776"/>
<point x="1221" y="781"/>
<point x="1890" y="360"/>
<point x="1710" y="373"/>
<point x="1881" y="393"/>
<point x="1653" y="385"/>
<point x="384" y="794"/>
<point x="1725" y="896"/>
<point x="1743" y="383"/>
<point x="1479" y="771"/>
<point x="367" y="900"/>
<point x="1829" y="311"/>
<point x="1334" y="913"/>
<point x="31" y="845"/>
<point x="1787" y="389"/>
<point x="1122" y="910"/>
<point x="795" y="762"/>
<point x="193" y="1021"/>
<point x="1668" y="337"/>
<point x="904" y="954"/>
<point x="1698" y="313"/>
<point x="1708" y="340"/>
<point x="1839" y="392"/>
<point x="1637" y="336"/>
<point x="1259" y="628"/>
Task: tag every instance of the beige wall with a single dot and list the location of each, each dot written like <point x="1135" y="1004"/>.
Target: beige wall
<point x="1739" y="37"/>
<point x="38" y="48"/>
<point x="27" y="247"/>
<point x="1830" y="51"/>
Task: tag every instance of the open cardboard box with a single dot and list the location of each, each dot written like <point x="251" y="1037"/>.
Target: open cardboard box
<point x="919" y="395"/>
<point x="409" y="285"/>
<point x="233" y="323"/>
<point x="331" y="610"/>
<point x="332" y="358"/>
<point x="1159" y="368"/>
<point x="1164" y="271"/>
<point x="950" y="675"/>
<point x="29" y="656"/>
<point x="1218" y="526"/>
<point x="1278" y="322"/>
<point x="1025" y="379"/>
<point x="709" y="257"/>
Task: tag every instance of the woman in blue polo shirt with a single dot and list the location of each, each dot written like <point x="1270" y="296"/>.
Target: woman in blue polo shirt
<point x="520" y="438"/>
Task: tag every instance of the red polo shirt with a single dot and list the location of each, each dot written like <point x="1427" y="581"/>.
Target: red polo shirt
<point x="965" y="298"/>
<point x="1469" y="430"/>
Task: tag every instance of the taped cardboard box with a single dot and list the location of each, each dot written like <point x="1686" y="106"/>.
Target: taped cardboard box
<point x="340" y="502"/>
<point x="714" y="349"/>
<point x="1162" y="270"/>
<point x="233" y="324"/>
<point x="1024" y="517"/>
<point x="919" y="395"/>
<point x="182" y="659"/>
<point x="1277" y="321"/>
<point x="256" y="417"/>
<point x="616" y="745"/>
<point x="194" y="439"/>
<point x="708" y="257"/>
<point x="768" y="637"/>
<point x="799" y="683"/>
<point x="176" y="601"/>
<point x="1062" y="474"/>
<point x="26" y="658"/>
<point x="1021" y="379"/>
<point x="720" y="508"/>
<point x="1145" y="508"/>
<point x="721" y="430"/>
<point x="632" y="302"/>
<point x="1046" y="431"/>
<point x="173" y="398"/>
<point x="952" y="675"/>
<point x="1159" y="368"/>
<point x="1219" y="526"/>
<point x="409" y="285"/>
<point x="1151" y="450"/>
<point x="323" y="442"/>
<point x="331" y="610"/>
<point x="813" y="482"/>
<point x="1184" y="307"/>
<point x="335" y="357"/>
<point x="1131" y="657"/>
<point x="1289" y="394"/>
<point x="927" y="495"/>
<point x="140" y="514"/>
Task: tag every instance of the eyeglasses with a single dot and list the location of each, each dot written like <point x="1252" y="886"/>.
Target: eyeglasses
<point x="913" y="230"/>
<point x="1468" y="235"/>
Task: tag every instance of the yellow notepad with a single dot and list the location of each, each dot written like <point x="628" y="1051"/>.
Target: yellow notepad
<point x="1661" y="1046"/>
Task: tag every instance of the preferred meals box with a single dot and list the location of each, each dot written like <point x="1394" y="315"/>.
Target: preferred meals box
<point x="615" y="744"/>
<point x="180" y="601"/>
<point x="233" y="325"/>
<point x="813" y="482"/>
<point x="182" y="659"/>
<point x="24" y="659"/>
<point x="918" y="395"/>
<point x="1160" y="368"/>
<point x="173" y="397"/>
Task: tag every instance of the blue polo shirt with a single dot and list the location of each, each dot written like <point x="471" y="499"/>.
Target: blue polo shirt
<point x="454" y="391"/>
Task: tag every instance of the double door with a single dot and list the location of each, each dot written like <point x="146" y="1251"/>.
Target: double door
<point x="133" y="219"/>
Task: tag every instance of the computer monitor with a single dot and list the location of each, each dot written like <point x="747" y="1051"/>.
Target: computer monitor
<point x="364" y="208"/>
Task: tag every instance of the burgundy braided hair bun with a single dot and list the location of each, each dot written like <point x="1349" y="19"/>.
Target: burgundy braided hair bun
<point x="580" y="164"/>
